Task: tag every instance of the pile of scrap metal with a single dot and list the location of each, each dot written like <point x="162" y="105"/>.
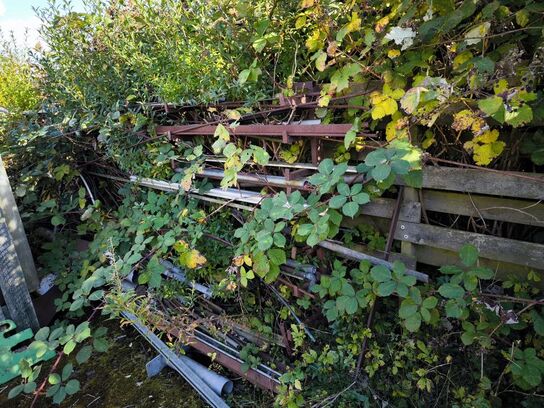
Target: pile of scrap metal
<point x="210" y="331"/>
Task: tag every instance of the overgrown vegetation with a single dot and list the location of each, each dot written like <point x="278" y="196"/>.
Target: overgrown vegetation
<point x="453" y="80"/>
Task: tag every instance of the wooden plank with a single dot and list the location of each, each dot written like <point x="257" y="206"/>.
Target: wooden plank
<point x="518" y="185"/>
<point x="499" y="249"/>
<point x="384" y="207"/>
<point x="411" y="196"/>
<point x="13" y="284"/>
<point x="504" y="270"/>
<point x="9" y="209"/>
<point x="490" y="208"/>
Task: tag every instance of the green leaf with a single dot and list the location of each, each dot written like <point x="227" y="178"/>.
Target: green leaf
<point x="72" y="387"/>
<point x="350" y="137"/>
<point x="54" y="378"/>
<point x="100" y="344"/>
<point x="16" y="391"/>
<point x="69" y="347"/>
<point x="407" y="308"/>
<point x="351" y="305"/>
<point x="468" y="254"/>
<point x="304" y="229"/>
<point x="52" y="390"/>
<point x="381" y="172"/>
<point x="337" y="201"/>
<point x="57" y="220"/>
<point x="350" y="209"/>
<point x="400" y="167"/>
<point x="453" y="310"/>
<point x="451" y="291"/>
<point x="380" y="273"/>
<point x="430" y="302"/>
<point x="413" y="323"/>
<point x="42" y="334"/>
<point x="67" y="371"/>
<point x="83" y="355"/>
<point x="386" y="288"/>
<point x="467" y="338"/>
<point x="29" y="387"/>
<point x="59" y="396"/>
<point x="264" y="240"/>
<point x="96" y="295"/>
<point x="277" y="256"/>
<point x="361" y="198"/>
<point x="229" y="150"/>
<point x="414" y="179"/>
<point x="490" y="105"/>
<point x="76" y="304"/>
<point x="519" y="117"/>
<point x="538" y="322"/>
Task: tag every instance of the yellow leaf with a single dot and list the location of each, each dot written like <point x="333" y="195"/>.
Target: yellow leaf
<point x="301" y="22"/>
<point x="222" y="133"/>
<point x="489" y="136"/>
<point x="500" y="86"/>
<point x="461" y="59"/>
<point x="248" y="260"/>
<point x="393" y="54"/>
<point x="466" y="119"/>
<point x="396" y="130"/>
<point x="181" y="246"/>
<point x="484" y="154"/>
<point x="393" y="93"/>
<point x="307" y="3"/>
<point x="192" y="259"/>
<point x="386" y="107"/>
<point x="485" y="147"/>
<point x="429" y="140"/>
<point x="354" y="23"/>
<point x="376" y="97"/>
<point x="381" y="24"/>
<point x="324" y="101"/>
<point x="238" y="260"/>
<point x="316" y="41"/>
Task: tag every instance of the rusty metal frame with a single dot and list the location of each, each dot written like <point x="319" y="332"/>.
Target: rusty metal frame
<point x="283" y="131"/>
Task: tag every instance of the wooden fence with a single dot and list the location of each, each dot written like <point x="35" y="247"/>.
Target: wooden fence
<point x="493" y="198"/>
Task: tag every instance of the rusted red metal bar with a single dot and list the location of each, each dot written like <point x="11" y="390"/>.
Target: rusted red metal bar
<point x="232" y="364"/>
<point x="283" y="131"/>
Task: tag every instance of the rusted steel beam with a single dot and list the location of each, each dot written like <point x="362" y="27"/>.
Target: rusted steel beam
<point x="231" y="362"/>
<point x="283" y="131"/>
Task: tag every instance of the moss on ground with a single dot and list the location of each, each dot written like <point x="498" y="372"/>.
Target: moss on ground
<point x="117" y="379"/>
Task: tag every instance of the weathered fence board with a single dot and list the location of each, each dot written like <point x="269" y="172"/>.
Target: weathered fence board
<point x="491" y="247"/>
<point x="504" y="270"/>
<point x="17" y="231"/>
<point x="519" y="185"/>
<point x="13" y="283"/>
<point x="490" y="208"/>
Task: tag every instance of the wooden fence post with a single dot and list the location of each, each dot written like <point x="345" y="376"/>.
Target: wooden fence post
<point x="9" y="209"/>
<point x="13" y="283"/>
<point x="407" y="248"/>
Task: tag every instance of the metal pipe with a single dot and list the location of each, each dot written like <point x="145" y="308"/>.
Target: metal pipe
<point x="256" y="178"/>
<point x="301" y="166"/>
<point x="288" y="306"/>
<point x="205" y="391"/>
<point x="218" y="383"/>
<point x="255" y="198"/>
<point x="359" y="256"/>
<point x="177" y="274"/>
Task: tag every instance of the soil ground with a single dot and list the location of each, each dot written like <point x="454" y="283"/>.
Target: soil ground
<point x="117" y="379"/>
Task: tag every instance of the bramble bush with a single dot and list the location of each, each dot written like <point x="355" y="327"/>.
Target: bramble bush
<point x="460" y="80"/>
